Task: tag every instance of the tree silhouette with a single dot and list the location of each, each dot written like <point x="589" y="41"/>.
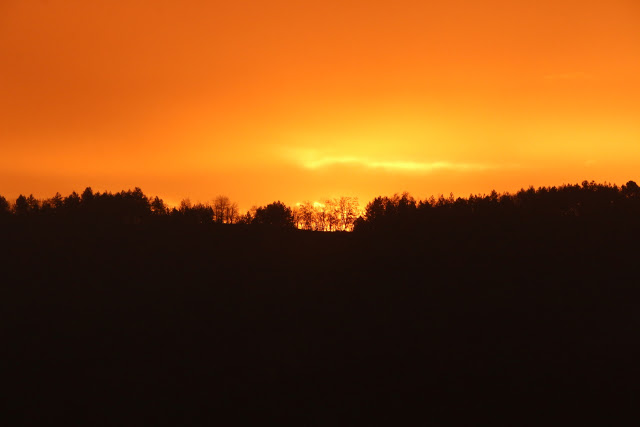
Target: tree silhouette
<point x="332" y="218"/>
<point x="248" y="217"/>
<point x="72" y="202"/>
<point x="53" y="205"/>
<point x="275" y="214"/>
<point x="21" y="206"/>
<point x="158" y="207"/>
<point x="220" y="206"/>
<point x="631" y="190"/>
<point x="225" y="211"/>
<point x="5" y="208"/>
<point x="306" y="216"/>
<point x="196" y="214"/>
<point x="87" y="196"/>
<point x="321" y="217"/>
<point x="346" y="209"/>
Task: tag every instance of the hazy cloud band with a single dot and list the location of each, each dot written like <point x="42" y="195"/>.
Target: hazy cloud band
<point x="409" y="166"/>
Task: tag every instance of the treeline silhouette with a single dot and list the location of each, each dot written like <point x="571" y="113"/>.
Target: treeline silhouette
<point x="586" y="201"/>
<point x="134" y="207"/>
<point x="513" y="308"/>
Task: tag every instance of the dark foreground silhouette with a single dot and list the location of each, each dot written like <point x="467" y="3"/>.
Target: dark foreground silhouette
<point x="517" y="308"/>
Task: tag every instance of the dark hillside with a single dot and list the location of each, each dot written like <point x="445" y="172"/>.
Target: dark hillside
<point x="462" y="319"/>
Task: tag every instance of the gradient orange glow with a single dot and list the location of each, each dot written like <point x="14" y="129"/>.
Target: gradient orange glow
<point x="297" y="100"/>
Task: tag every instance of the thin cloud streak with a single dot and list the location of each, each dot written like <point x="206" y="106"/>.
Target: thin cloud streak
<point x="424" y="167"/>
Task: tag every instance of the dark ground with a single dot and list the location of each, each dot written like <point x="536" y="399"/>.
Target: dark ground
<point x="193" y="325"/>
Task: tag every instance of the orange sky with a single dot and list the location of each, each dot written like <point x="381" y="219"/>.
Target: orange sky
<point x="296" y="100"/>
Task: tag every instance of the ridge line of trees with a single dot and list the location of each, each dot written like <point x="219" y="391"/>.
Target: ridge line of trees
<point x="134" y="207"/>
<point x="398" y="212"/>
<point x="586" y="200"/>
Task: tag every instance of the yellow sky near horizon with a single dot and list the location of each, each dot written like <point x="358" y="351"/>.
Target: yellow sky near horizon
<point x="289" y="100"/>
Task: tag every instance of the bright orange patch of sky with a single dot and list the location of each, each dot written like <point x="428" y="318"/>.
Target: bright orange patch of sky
<point x="297" y="100"/>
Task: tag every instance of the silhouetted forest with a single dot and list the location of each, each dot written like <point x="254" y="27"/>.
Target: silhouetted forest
<point x="399" y="213"/>
<point x="134" y="207"/>
<point x="515" y="308"/>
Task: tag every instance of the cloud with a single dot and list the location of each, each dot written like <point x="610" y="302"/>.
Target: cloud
<point x="407" y="166"/>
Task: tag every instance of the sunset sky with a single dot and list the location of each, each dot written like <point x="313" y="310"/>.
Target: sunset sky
<point x="303" y="100"/>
